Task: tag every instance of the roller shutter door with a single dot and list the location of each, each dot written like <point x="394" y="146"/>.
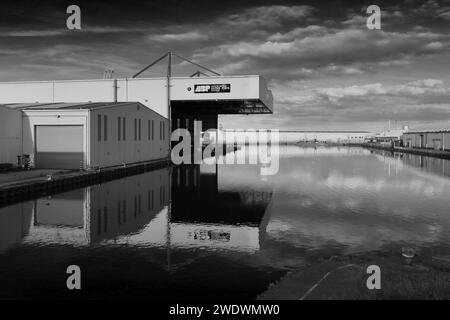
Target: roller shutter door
<point x="59" y="147"/>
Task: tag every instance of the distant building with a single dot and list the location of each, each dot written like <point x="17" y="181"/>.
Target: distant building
<point x="428" y="139"/>
<point x="295" y="137"/>
<point x="287" y="137"/>
<point x="387" y="137"/>
<point x="84" y="135"/>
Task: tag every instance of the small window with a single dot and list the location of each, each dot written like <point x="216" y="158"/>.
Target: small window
<point x="148" y="131"/>
<point x="118" y="213"/>
<point x="153" y="130"/>
<point x="135" y="129"/>
<point x="99" y="127"/>
<point x="124" y="128"/>
<point x="124" y="210"/>
<point x="149" y="203"/>
<point x="139" y="204"/>
<point x="105" y="118"/>
<point x="153" y="199"/>
<point x="139" y="129"/>
<point x="99" y="220"/>
<point x="119" y="128"/>
<point x="105" y="221"/>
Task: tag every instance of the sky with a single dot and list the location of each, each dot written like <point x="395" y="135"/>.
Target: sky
<point x="326" y="69"/>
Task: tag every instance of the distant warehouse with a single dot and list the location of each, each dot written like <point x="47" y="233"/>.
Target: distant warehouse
<point x="430" y="139"/>
<point x="87" y="135"/>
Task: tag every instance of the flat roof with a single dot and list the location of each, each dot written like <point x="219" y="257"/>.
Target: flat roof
<point x="300" y="131"/>
<point x="65" y="105"/>
<point x="429" y="131"/>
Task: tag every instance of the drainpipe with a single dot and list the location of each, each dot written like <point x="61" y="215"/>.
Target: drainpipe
<point x="443" y="141"/>
<point x="169" y="212"/>
<point x="169" y="107"/>
<point x="115" y="90"/>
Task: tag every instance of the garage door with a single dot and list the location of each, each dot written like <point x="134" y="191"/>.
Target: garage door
<point x="59" y="147"/>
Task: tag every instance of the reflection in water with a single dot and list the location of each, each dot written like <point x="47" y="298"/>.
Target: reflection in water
<point x="203" y="231"/>
<point x="204" y="216"/>
<point x="118" y="210"/>
<point x="15" y="223"/>
<point x="333" y="204"/>
<point x="395" y="161"/>
<point x="92" y="214"/>
<point x="180" y="211"/>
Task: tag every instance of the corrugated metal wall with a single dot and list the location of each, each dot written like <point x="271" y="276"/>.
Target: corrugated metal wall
<point x="127" y="133"/>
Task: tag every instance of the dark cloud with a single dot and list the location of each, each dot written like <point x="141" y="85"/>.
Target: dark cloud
<point x="320" y="59"/>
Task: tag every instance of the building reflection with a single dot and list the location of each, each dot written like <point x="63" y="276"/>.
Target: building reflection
<point x="15" y="223"/>
<point x="396" y="161"/>
<point x="179" y="207"/>
<point x="90" y="215"/>
<point x="207" y="214"/>
<point x="429" y="164"/>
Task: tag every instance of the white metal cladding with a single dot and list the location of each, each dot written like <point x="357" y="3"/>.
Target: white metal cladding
<point x="151" y="92"/>
<point x="10" y="135"/>
<point x="141" y="141"/>
<point x="111" y="149"/>
<point x="437" y="140"/>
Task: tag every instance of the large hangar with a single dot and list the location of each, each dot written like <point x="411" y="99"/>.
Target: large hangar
<point x="214" y="95"/>
<point x="67" y="108"/>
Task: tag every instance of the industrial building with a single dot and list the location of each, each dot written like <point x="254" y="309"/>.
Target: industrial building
<point x="428" y="139"/>
<point x="107" y="122"/>
<point x="387" y="137"/>
<point x="296" y="137"/>
<point x="87" y="135"/>
<point x="91" y="110"/>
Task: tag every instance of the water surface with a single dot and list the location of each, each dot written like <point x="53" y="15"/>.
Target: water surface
<point x="199" y="232"/>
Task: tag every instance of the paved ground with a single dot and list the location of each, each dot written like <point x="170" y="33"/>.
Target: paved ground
<point x="14" y="177"/>
<point x="345" y="277"/>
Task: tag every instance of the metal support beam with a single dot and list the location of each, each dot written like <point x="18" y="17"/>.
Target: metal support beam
<point x="151" y="64"/>
<point x="198" y="74"/>
<point x="196" y="64"/>
<point x="169" y="75"/>
<point x="169" y="55"/>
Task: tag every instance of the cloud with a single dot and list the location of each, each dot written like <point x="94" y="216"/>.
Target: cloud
<point x="434" y="46"/>
<point x="445" y="15"/>
<point x="320" y="60"/>
<point x="269" y="16"/>
<point x="300" y="32"/>
<point x="426" y="87"/>
<point x="34" y="33"/>
<point x="186" y="36"/>
<point x="421" y="101"/>
<point x="86" y="29"/>
<point x="349" y="44"/>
